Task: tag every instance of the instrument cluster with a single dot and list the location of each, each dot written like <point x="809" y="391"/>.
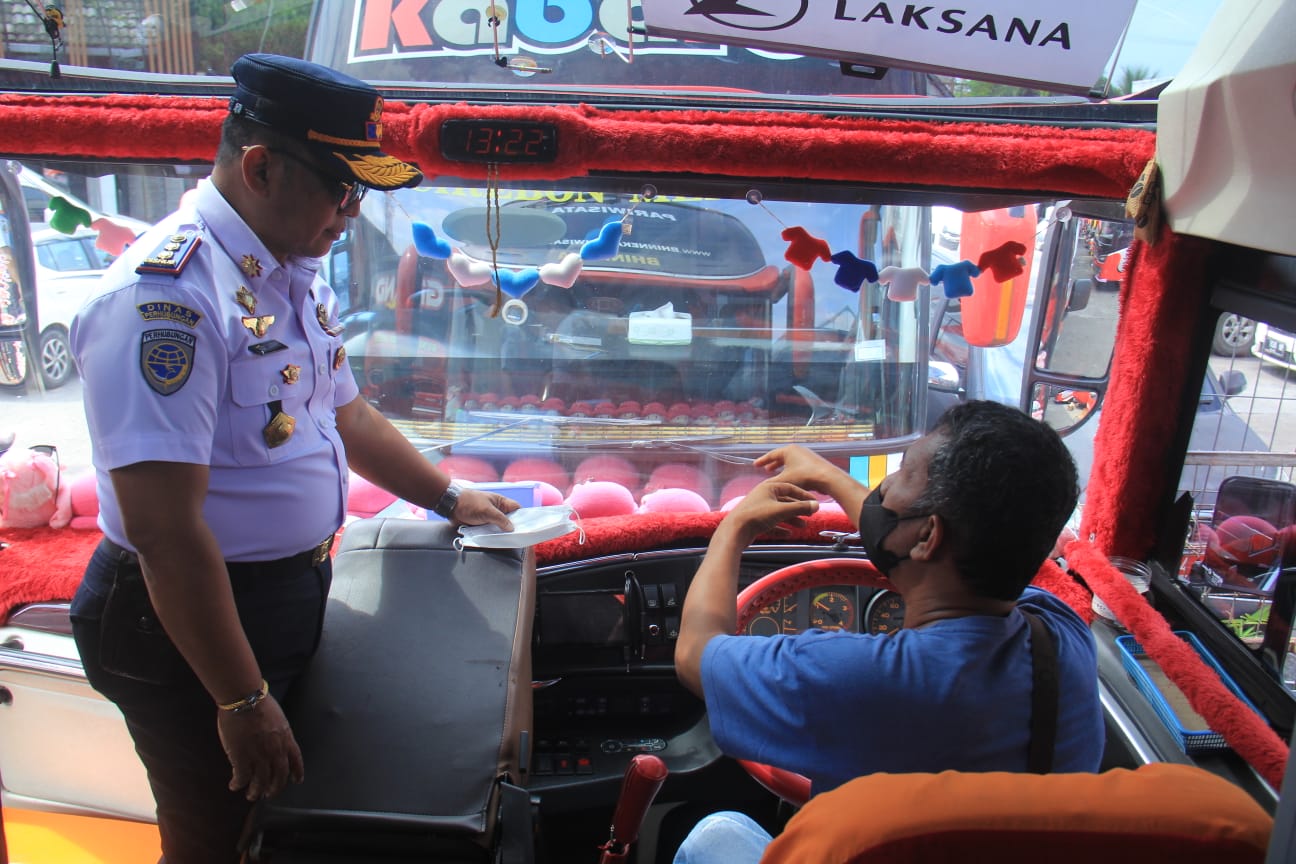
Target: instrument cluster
<point x="836" y="607"/>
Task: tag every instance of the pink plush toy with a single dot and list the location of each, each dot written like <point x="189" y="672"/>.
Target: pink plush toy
<point x="677" y="475"/>
<point x="28" y="487"/>
<point x="85" y="500"/>
<point x="673" y="501"/>
<point x="596" y="498"/>
<point x="364" y="499"/>
<point x="549" y="494"/>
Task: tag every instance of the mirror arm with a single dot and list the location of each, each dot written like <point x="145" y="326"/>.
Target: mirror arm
<point x="1278" y="631"/>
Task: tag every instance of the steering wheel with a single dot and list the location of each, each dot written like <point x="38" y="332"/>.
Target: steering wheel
<point x="772" y="587"/>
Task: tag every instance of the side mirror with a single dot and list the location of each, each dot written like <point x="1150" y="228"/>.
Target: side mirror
<point x="993" y="314"/>
<point x="943" y="376"/>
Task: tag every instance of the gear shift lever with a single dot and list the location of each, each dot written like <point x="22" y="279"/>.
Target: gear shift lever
<point x="644" y="776"/>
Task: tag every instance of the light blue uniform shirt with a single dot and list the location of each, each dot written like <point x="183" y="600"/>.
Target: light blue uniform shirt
<point x="169" y="376"/>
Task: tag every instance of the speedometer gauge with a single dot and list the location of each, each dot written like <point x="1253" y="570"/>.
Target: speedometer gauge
<point x="884" y="613"/>
<point x="832" y="610"/>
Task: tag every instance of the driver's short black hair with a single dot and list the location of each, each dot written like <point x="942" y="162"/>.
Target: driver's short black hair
<point x="1004" y="485"/>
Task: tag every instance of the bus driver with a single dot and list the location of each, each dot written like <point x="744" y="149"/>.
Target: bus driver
<point x="960" y="530"/>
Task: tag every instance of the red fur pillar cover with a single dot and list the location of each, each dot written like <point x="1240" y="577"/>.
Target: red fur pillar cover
<point x="1244" y="730"/>
<point x="1162" y="300"/>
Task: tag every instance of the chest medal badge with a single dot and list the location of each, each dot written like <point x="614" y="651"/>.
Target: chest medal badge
<point x="258" y="324"/>
<point x="246" y="299"/>
<point x="280" y="428"/>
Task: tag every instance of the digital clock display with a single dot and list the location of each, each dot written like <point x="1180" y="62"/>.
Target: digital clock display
<point x="498" y="141"/>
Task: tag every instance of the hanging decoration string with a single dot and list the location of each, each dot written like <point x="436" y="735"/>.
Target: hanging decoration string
<point x="630" y="29"/>
<point x="494" y="231"/>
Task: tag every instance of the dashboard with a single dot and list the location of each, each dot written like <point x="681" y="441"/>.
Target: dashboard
<point x="603" y="657"/>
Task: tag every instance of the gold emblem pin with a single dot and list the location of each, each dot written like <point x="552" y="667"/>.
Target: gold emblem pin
<point x="339" y="358"/>
<point x="279" y="429"/>
<point x="246" y="299"/>
<point x="258" y="324"/>
<point x="322" y="315"/>
<point x="291" y="373"/>
<point x="251" y="266"/>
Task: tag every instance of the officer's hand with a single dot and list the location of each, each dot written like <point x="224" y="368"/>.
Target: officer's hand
<point x="476" y="507"/>
<point x="261" y="749"/>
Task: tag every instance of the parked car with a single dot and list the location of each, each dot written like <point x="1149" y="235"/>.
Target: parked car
<point x="67" y="268"/>
<point x="1274" y="346"/>
<point x="1234" y="335"/>
<point x="1216" y="427"/>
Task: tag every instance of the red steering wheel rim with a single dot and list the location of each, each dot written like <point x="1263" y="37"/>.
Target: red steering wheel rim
<point x="818" y="573"/>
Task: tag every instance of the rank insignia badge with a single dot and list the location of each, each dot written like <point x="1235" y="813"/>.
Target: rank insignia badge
<point x="321" y="313"/>
<point x="166" y="359"/>
<point x="246" y="299"/>
<point x="258" y="324"/>
<point x="171" y="257"/>
<point x="251" y="266"/>
<point x="291" y="373"/>
<point x="279" y="429"/>
<point x="339" y="358"/>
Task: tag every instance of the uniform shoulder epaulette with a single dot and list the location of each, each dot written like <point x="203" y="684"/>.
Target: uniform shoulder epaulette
<point x="172" y="254"/>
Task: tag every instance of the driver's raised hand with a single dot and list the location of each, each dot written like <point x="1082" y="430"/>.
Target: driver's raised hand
<point x="261" y="749"/>
<point x="801" y="466"/>
<point x="476" y="507"/>
<point x="770" y="507"/>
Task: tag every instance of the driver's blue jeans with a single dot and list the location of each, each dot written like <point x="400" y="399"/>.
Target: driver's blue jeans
<point x="724" y="838"/>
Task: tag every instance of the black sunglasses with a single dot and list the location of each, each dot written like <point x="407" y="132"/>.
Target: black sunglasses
<point x="51" y="451"/>
<point x="345" y="194"/>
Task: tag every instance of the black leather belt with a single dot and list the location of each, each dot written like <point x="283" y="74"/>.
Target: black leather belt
<point x="312" y="557"/>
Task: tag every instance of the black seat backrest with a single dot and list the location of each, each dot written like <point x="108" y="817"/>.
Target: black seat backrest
<point x="415" y="715"/>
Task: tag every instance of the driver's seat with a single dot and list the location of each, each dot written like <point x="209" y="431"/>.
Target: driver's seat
<point x="1157" y="812"/>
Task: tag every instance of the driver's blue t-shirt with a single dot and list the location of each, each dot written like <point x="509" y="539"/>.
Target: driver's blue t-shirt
<point x="952" y="695"/>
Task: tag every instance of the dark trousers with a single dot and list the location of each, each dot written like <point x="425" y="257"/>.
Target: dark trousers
<point x="130" y="660"/>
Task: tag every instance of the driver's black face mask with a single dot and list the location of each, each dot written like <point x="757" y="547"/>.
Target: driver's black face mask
<point x="876" y="523"/>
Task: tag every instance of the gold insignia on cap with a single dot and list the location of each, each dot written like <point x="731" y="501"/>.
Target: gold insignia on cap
<point x="279" y="429"/>
<point x="258" y="324"/>
<point x="291" y="373"/>
<point x="339" y="358"/>
<point x="251" y="266"/>
<point x="383" y="172"/>
<point x="246" y="299"/>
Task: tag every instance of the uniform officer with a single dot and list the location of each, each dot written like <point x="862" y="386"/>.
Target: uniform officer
<point x="224" y="418"/>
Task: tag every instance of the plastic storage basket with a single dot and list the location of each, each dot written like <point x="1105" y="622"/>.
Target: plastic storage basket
<point x="1133" y="657"/>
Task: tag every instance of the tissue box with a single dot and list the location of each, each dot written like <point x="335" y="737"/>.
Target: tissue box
<point x="658" y="328"/>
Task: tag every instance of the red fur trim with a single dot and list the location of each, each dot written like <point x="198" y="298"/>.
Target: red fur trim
<point x="1162" y="301"/>
<point x="1244" y="730"/>
<point x="1052" y="160"/>
<point x="1060" y="584"/>
<point x="42" y="564"/>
